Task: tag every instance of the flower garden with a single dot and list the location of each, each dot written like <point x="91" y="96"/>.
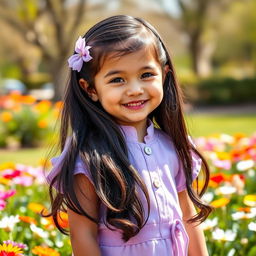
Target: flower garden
<point x="230" y="229"/>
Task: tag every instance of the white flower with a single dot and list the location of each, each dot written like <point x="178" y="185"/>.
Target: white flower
<point x="9" y="222"/>
<point x="59" y="243"/>
<point x="245" y="165"/>
<point x="231" y="252"/>
<point x="227" y="138"/>
<point x="38" y="231"/>
<point x="251" y="173"/>
<point x="252" y="226"/>
<point x="208" y="224"/>
<point x="220" y="234"/>
<point x="208" y="197"/>
<point x="243" y="215"/>
<point x="225" y="190"/>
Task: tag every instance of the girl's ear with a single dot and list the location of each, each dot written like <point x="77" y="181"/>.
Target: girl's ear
<point x="166" y="69"/>
<point x="90" y="91"/>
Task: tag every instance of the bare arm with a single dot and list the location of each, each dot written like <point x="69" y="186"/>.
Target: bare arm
<point x="197" y="244"/>
<point x="83" y="231"/>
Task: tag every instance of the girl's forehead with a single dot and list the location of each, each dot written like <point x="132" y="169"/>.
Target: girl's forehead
<point x="144" y="53"/>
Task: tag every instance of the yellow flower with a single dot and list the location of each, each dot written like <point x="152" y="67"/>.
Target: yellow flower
<point x="250" y="200"/>
<point x="6" y="116"/>
<point x="9" y="249"/>
<point x="44" y="251"/>
<point x="7" y="165"/>
<point x="45" y="163"/>
<point x="4" y="181"/>
<point x="223" y="155"/>
<point x="220" y="202"/>
<point x="42" y="124"/>
<point x="37" y="208"/>
<point x="43" y="106"/>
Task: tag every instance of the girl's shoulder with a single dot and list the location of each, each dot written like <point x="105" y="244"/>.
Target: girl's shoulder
<point x="57" y="162"/>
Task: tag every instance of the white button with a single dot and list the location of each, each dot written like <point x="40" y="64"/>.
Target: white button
<point x="148" y="150"/>
<point x="156" y="183"/>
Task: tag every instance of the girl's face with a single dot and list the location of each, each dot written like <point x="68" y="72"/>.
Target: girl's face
<point x="130" y="87"/>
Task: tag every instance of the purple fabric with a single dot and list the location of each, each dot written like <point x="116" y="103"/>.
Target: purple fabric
<point x="164" y="234"/>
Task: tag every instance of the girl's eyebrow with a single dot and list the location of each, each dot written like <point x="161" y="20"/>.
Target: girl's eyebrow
<point x="113" y="72"/>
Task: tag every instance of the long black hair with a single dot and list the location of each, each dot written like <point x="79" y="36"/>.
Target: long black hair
<point x="97" y="140"/>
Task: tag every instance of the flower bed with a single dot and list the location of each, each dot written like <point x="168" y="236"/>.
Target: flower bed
<point x="24" y="121"/>
<point x="230" y="230"/>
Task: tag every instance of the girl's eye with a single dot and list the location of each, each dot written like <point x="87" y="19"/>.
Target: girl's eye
<point x="147" y="75"/>
<point x="117" y="80"/>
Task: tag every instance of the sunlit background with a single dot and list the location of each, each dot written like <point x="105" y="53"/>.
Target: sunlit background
<point x="213" y="48"/>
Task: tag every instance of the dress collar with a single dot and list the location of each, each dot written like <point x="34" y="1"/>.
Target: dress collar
<point x="130" y="132"/>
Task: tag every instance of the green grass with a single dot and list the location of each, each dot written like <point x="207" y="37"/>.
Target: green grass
<point x="25" y="156"/>
<point x="198" y="125"/>
<point x="203" y="124"/>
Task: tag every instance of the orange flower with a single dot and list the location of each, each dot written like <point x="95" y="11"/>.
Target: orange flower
<point x="239" y="136"/>
<point x="28" y="99"/>
<point x="63" y="219"/>
<point x="244" y="209"/>
<point x="44" y="251"/>
<point x="57" y="108"/>
<point x="28" y="219"/>
<point x="37" y="208"/>
<point x="212" y="184"/>
<point x="58" y="105"/>
<point x="220" y="202"/>
<point x="42" y="124"/>
<point x="6" y="116"/>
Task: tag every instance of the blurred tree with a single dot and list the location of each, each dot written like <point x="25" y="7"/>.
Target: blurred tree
<point x="193" y="19"/>
<point x="240" y="29"/>
<point x="50" y="26"/>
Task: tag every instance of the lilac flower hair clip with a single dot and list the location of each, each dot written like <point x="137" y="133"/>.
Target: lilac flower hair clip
<point x="82" y="55"/>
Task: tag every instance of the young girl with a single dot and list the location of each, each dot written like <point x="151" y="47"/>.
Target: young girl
<point x="127" y="164"/>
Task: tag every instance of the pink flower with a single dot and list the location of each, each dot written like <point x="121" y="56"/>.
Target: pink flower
<point x="2" y="204"/>
<point x="20" y="245"/>
<point x="23" y="180"/>
<point x="6" y="194"/>
<point x="82" y="55"/>
<point x="222" y="164"/>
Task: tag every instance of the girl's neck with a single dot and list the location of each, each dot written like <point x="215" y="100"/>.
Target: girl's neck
<point x="141" y="129"/>
<point x="141" y="132"/>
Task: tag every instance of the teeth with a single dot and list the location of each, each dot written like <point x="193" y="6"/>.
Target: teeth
<point x="135" y="104"/>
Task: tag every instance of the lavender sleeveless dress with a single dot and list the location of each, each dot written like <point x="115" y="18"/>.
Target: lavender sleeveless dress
<point x="157" y="163"/>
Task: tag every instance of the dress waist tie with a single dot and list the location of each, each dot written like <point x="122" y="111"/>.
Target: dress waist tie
<point x="179" y="238"/>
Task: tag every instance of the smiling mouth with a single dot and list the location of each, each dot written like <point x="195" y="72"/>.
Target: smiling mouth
<point x="135" y="103"/>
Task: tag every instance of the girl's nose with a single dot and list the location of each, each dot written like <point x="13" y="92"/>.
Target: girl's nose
<point x="135" y="89"/>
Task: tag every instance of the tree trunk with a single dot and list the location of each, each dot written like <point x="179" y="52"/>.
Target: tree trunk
<point x="194" y="49"/>
<point x="59" y="75"/>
